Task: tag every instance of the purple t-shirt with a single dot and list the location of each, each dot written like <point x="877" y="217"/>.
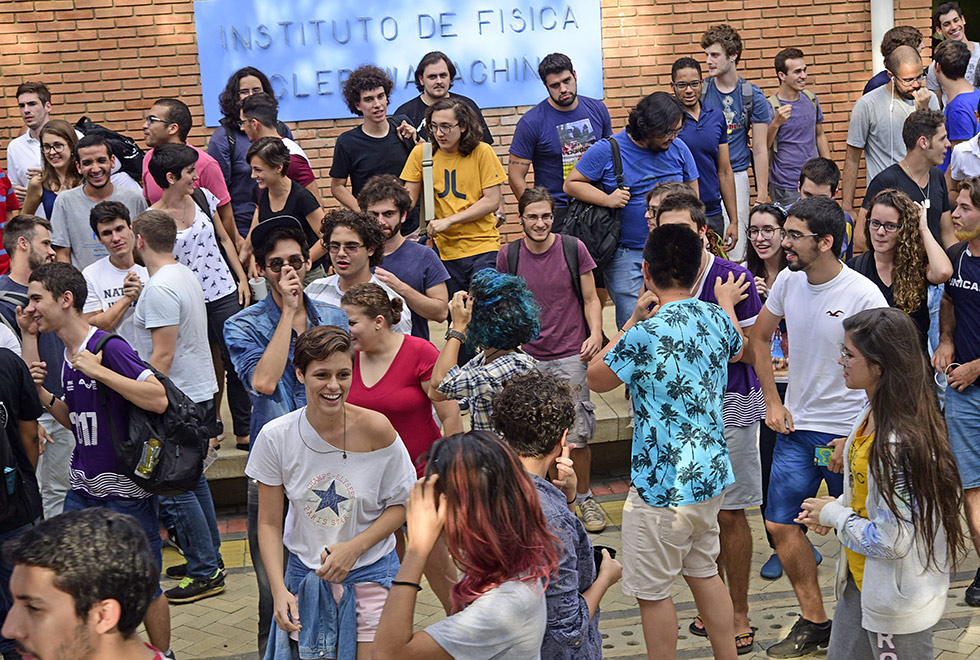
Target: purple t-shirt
<point x="563" y="326"/>
<point x="796" y="142"/>
<point x="744" y="403"/>
<point x="94" y="469"/>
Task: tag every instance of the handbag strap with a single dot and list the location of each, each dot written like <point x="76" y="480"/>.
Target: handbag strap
<point x="617" y="160"/>
<point x="428" y="197"/>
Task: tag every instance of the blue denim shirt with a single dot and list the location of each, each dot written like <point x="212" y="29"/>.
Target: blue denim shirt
<point x="570" y="634"/>
<point x="248" y="332"/>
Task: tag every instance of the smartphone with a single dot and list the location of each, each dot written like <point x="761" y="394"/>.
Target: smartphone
<point x="597" y="554"/>
<point x="821" y="456"/>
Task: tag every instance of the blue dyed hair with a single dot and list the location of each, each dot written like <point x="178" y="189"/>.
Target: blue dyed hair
<point x="504" y="312"/>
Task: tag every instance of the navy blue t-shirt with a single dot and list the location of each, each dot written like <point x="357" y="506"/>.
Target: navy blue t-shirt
<point x="964" y="290"/>
<point x="738" y="128"/>
<point x="703" y="137"/>
<point x="553" y="140"/>
<point x="877" y="80"/>
<point x="961" y="121"/>
<point x="420" y="268"/>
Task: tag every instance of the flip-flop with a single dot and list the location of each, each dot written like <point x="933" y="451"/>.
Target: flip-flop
<point x="742" y="650"/>
<point x="697" y="630"/>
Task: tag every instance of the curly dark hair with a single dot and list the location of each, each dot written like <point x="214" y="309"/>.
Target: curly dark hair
<point x="366" y="227"/>
<point x="673" y="256"/>
<point x="381" y="188"/>
<point x="532" y="413"/>
<point x="95" y="554"/>
<point x="654" y="116"/>
<point x="725" y="36"/>
<point x="229" y="101"/>
<point x="365" y="78"/>
<point x="909" y="285"/>
<point x="504" y="312"/>
<point x="469" y="124"/>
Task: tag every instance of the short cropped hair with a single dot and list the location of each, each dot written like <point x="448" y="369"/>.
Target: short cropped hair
<point x="432" y="58"/>
<point x="534" y="195"/>
<point x="823" y="216"/>
<point x="921" y="123"/>
<point x="727" y="37"/>
<point x="382" y="187"/>
<point x="320" y="343"/>
<point x="365" y="78"/>
<point x="553" y="64"/>
<point x="362" y="224"/>
<point x="504" y="312"/>
<point x="654" y="115"/>
<point x="684" y="63"/>
<point x="22" y="225"/>
<point x="673" y="256"/>
<point x="952" y="58"/>
<point x="95" y="555"/>
<point x="108" y="211"/>
<point x="58" y="278"/>
<point x="178" y="113"/>
<point x="532" y="412"/>
<point x="158" y="229"/>
<point x="261" y="107"/>
<point x="37" y="88"/>
<point x="821" y="171"/>
<point x="169" y="158"/>
<point x="779" y="62"/>
<point x="92" y="140"/>
<point x="273" y="151"/>
<point x="684" y="201"/>
<point x="942" y="10"/>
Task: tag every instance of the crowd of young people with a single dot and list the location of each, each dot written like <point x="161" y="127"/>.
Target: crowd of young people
<point x="764" y="348"/>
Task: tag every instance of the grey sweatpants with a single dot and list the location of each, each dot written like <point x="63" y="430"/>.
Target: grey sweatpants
<point x="849" y="641"/>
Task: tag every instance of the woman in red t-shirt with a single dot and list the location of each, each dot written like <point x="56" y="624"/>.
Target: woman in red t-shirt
<point x="392" y="375"/>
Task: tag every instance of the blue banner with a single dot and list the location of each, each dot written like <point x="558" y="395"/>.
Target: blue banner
<point x="309" y="47"/>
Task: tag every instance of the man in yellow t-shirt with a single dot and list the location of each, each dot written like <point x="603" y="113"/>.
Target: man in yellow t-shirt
<point x="466" y="178"/>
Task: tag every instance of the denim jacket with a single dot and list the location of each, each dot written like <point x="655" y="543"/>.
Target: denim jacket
<point x="335" y="633"/>
<point x="247" y="334"/>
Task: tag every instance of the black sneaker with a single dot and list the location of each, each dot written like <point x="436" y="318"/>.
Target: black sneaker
<point x="972" y="594"/>
<point x="179" y="571"/>
<point x="192" y="589"/>
<point x="172" y="540"/>
<point x="803" y="639"/>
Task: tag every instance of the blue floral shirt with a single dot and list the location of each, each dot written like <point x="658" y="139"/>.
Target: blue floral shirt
<point x="676" y="365"/>
<point x="247" y="334"/>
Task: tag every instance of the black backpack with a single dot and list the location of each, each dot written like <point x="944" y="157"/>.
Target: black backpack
<point x="126" y="150"/>
<point x="161" y="452"/>
<point x="597" y="226"/>
<point x="569" y="247"/>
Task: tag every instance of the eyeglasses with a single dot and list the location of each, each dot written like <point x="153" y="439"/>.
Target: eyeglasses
<point x="766" y="232"/>
<point x="682" y="86"/>
<point x="794" y="236"/>
<point x="673" y="133"/>
<point x="334" y="248"/>
<point x="151" y="118"/>
<point x="295" y="262"/>
<point x="443" y="128"/>
<point x="55" y="147"/>
<point x="652" y="210"/>
<point x="243" y="93"/>
<point x="846" y="357"/>
<point x="242" y="122"/>
<point x="910" y="81"/>
<point x="889" y="227"/>
<point x="547" y="217"/>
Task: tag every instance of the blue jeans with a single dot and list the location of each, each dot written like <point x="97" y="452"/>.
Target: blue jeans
<point x="624" y="281"/>
<point x="261" y="577"/>
<point x="144" y="511"/>
<point x="963" y="423"/>
<point x="6" y="600"/>
<point x="197" y="528"/>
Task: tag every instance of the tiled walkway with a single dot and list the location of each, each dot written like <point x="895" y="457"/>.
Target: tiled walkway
<point x="223" y="627"/>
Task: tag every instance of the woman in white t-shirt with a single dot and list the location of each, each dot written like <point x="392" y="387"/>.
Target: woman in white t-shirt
<point x="199" y="234"/>
<point x="346" y="475"/>
<point x="478" y="496"/>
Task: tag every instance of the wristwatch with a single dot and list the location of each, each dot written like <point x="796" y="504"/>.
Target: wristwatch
<point x="455" y="334"/>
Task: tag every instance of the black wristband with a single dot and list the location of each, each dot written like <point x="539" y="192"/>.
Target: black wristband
<point x="403" y="583"/>
<point x="53" y="399"/>
<point x="571" y="501"/>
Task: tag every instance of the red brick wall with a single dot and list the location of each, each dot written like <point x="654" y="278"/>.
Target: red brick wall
<point x="110" y="59"/>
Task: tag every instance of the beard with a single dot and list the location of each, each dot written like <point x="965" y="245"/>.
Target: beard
<point x="35" y="259"/>
<point x="389" y="232"/>
<point x="565" y="104"/>
<point x="966" y="235"/>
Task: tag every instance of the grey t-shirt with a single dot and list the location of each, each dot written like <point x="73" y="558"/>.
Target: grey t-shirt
<point x="70" y="227"/>
<point x="505" y="623"/>
<point x="876" y="126"/>
<point x="173" y="296"/>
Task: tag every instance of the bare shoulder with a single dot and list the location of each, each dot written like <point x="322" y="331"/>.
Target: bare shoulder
<point x="375" y="429"/>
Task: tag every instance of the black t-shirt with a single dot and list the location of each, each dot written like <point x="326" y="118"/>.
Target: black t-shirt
<point x="299" y="203"/>
<point x="865" y="264"/>
<point x="415" y="111"/>
<point x="19" y="402"/>
<point x="895" y="177"/>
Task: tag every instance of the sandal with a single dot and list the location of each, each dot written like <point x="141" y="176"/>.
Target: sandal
<point x="697" y="627"/>
<point x="742" y="650"/>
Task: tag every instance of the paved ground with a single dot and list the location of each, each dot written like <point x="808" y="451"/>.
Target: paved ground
<point x="223" y="627"/>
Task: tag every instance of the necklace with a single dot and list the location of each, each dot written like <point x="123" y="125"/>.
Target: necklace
<point x="343" y="448"/>
<point x="923" y="192"/>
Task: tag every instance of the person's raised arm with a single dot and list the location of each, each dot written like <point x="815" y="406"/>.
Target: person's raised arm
<point x="939" y="267"/>
<point x="147" y="394"/>
<point x="274" y="361"/>
<point x="315" y="219"/>
<point x="108" y="320"/>
<point x="946" y="233"/>
<point x="432" y="305"/>
<point x="32" y="200"/>
<point x="729" y="293"/>
<point x="461" y="310"/>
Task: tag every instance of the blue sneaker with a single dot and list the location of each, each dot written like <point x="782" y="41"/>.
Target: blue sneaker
<point x="772" y="569"/>
<point x="816" y="554"/>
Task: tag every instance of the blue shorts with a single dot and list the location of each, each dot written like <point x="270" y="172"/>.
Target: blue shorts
<point x="794" y="477"/>
<point x="963" y="423"/>
<point x="144" y="510"/>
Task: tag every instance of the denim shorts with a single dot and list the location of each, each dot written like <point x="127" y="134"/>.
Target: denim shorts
<point x="963" y="423"/>
<point x="794" y="477"/>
